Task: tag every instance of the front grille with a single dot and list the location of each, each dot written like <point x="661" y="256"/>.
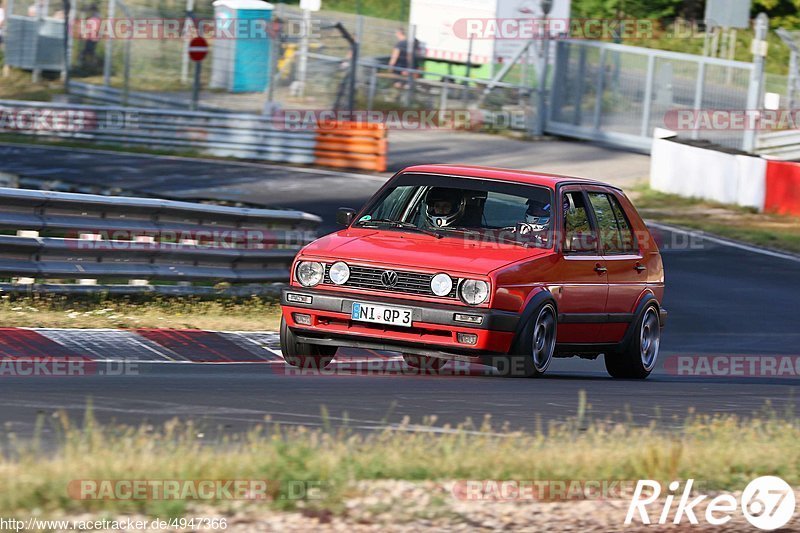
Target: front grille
<point x="407" y="282"/>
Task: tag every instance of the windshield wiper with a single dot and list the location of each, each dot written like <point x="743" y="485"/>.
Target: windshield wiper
<point x="398" y="224"/>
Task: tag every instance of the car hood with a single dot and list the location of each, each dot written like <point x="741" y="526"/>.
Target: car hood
<point x="419" y="251"/>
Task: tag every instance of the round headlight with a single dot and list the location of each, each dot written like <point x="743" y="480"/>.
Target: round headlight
<point x="309" y="273"/>
<point x="441" y="284"/>
<point x="474" y="291"/>
<point x="339" y="273"/>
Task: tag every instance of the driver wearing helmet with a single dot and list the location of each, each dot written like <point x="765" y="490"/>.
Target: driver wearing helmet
<point x="538" y="214"/>
<point x="444" y="207"/>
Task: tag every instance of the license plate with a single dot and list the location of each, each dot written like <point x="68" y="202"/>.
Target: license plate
<point x="395" y="316"/>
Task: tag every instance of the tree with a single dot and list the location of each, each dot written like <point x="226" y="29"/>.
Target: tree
<point x="639" y="9"/>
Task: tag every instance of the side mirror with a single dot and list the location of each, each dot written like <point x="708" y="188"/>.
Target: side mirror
<point x="580" y="242"/>
<point x="345" y="216"/>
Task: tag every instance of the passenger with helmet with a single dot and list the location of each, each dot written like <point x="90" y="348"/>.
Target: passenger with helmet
<point x="539" y="213"/>
<point x="444" y="207"/>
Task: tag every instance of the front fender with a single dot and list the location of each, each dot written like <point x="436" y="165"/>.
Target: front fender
<point x="540" y="296"/>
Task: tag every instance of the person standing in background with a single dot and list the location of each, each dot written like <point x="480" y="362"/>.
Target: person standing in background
<point x="399" y="57"/>
<point x="88" y="57"/>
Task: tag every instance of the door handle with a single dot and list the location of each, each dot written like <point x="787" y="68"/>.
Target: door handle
<point x="639" y="267"/>
<point x="600" y="269"/>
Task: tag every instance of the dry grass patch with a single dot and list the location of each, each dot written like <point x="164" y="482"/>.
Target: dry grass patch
<point x="733" y="222"/>
<point x="55" y="311"/>
<point x="724" y="451"/>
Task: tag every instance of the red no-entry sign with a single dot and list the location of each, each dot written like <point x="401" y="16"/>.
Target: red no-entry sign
<point x="198" y="49"/>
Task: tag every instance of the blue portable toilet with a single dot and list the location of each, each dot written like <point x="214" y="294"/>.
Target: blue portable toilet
<point x="240" y="54"/>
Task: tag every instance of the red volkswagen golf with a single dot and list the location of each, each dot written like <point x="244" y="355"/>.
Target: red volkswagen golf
<point x="491" y="266"/>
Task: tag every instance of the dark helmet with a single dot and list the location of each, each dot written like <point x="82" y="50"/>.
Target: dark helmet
<point x="454" y="210"/>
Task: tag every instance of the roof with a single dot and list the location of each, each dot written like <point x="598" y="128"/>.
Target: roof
<point x="504" y="174"/>
<point x="244" y="4"/>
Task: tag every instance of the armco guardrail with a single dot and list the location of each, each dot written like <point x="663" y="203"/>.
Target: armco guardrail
<point x="784" y="144"/>
<point x="100" y="94"/>
<point x="67" y="242"/>
<point x="221" y="134"/>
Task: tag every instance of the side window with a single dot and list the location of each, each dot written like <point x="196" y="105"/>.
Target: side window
<point x="616" y="236"/>
<point x="626" y="232"/>
<point x="579" y="236"/>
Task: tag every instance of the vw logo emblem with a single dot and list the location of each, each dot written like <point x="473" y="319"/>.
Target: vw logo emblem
<point x="389" y="278"/>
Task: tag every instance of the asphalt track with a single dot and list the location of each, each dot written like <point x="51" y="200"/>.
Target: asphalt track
<point x="724" y="301"/>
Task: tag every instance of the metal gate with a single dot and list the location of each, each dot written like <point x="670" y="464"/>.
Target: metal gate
<point x="618" y="94"/>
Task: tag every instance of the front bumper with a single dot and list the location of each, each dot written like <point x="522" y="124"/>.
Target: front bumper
<point x="434" y="330"/>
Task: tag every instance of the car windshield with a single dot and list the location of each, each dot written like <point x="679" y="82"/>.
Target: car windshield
<point x="472" y="208"/>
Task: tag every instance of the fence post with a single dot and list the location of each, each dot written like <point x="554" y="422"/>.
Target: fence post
<point x="791" y="81"/>
<point x="67" y="48"/>
<point x="756" y="86"/>
<point x="541" y="119"/>
<point x="648" y="94"/>
<point x="302" y="59"/>
<point x="558" y="89"/>
<point x="36" y="75"/>
<point x="411" y="55"/>
<point x="598" y="103"/>
<point x="189" y="18"/>
<point x="580" y="83"/>
<point x="699" y="88"/>
<point x="108" y="47"/>
<point x="373" y="81"/>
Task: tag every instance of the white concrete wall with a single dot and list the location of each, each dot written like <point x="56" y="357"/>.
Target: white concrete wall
<point x="708" y="174"/>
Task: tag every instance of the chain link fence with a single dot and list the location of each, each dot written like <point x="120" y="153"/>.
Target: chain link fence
<point x="596" y="90"/>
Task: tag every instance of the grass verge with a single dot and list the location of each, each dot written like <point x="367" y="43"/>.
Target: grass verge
<point x="724" y="451"/>
<point x="57" y="311"/>
<point x="17" y="85"/>
<point x="733" y="222"/>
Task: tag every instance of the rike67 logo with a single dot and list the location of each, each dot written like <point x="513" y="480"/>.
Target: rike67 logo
<point x="767" y="502"/>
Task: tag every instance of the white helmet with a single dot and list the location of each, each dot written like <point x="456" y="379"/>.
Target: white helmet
<point x="444" y="206"/>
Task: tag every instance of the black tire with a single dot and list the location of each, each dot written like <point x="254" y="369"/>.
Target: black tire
<point x="535" y="346"/>
<point x="430" y="365"/>
<point x="638" y="358"/>
<point x="302" y="355"/>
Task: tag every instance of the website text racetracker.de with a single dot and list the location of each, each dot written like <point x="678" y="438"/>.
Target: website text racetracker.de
<point x="120" y="524"/>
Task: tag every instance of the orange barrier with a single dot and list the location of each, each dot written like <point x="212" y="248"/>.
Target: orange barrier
<point x="783" y="188"/>
<point x="352" y="145"/>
